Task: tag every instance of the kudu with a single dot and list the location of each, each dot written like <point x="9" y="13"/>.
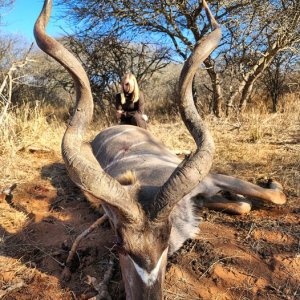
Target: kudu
<point x="154" y="215"/>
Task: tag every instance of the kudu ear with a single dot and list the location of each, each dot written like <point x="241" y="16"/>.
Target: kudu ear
<point x="82" y="166"/>
<point x="193" y="169"/>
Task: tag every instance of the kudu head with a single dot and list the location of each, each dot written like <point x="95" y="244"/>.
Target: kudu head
<point x="142" y="236"/>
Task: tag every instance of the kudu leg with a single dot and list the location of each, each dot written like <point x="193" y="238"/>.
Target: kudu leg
<point x="236" y="204"/>
<point x="215" y="183"/>
<point x="271" y="194"/>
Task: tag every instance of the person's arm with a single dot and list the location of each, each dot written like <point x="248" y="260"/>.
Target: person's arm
<point x="141" y="103"/>
<point x="141" y="107"/>
<point x="119" y="109"/>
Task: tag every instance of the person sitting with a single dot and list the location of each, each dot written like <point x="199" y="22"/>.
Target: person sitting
<point x="130" y="103"/>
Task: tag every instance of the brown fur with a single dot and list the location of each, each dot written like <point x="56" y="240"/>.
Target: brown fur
<point x="95" y="202"/>
<point x="127" y="178"/>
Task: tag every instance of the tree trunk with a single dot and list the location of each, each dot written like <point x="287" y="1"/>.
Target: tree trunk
<point x="246" y="93"/>
<point x="217" y="97"/>
<point x="275" y="98"/>
<point x="246" y="86"/>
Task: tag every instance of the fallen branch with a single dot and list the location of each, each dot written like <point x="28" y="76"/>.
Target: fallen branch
<point x="214" y="263"/>
<point x="102" y="286"/>
<point x="6" y="194"/>
<point x="49" y="255"/>
<point x="7" y="191"/>
<point x="16" y="286"/>
<point x="66" y="273"/>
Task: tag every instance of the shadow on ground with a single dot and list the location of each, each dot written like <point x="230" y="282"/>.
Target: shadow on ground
<point x="236" y="257"/>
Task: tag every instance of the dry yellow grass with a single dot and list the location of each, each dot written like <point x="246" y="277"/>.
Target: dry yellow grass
<point x="19" y="278"/>
<point x="26" y="129"/>
<point x="11" y="220"/>
<point x="256" y="144"/>
<point x="29" y="125"/>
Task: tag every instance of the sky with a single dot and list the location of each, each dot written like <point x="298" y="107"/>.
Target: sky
<point x="19" y="20"/>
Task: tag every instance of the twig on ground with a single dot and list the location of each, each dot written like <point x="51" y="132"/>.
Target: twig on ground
<point x="252" y="227"/>
<point x="6" y="194"/>
<point x="8" y="191"/>
<point x="217" y="261"/>
<point x="49" y="255"/>
<point x="66" y="274"/>
<point x="102" y="286"/>
<point x="16" y="286"/>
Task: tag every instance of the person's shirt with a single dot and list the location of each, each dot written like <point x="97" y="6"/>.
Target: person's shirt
<point x="130" y="107"/>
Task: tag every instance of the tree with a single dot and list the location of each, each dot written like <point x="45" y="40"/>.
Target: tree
<point x="10" y="73"/>
<point x="107" y="59"/>
<point x="254" y="33"/>
<point x="273" y="28"/>
<point x="276" y="76"/>
<point x="27" y="76"/>
<point x="175" y="24"/>
<point x="5" y="4"/>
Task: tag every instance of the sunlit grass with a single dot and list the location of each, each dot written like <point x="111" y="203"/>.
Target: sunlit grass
<point x="251" y="144"/>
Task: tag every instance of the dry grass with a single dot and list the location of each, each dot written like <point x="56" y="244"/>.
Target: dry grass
<point x="266" y="143"/>
<point x="19" y="278"/>
<point x="252" y="145"/>
<point x="26" y="129"/>
<point x="29" y="125"/>
<point x="255" y="144"/>
<point x="12" y="220"/>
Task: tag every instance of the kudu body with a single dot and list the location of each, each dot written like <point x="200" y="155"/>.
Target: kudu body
<point x="154" y="214"/>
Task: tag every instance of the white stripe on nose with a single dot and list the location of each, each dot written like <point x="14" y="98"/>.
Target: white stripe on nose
<point x="149" y="277"/>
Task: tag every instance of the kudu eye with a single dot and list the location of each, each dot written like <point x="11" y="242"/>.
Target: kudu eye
<point x="119" y="245"/>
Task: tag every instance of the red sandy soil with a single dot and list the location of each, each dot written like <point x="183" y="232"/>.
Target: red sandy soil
<point x="255" y="256"/>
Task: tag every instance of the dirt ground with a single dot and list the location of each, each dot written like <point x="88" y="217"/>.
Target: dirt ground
<point x="256" y="256"/>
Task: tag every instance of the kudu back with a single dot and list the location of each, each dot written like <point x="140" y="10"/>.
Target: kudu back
<point x="154" y="214"/>
<point x="125" y="147"/>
